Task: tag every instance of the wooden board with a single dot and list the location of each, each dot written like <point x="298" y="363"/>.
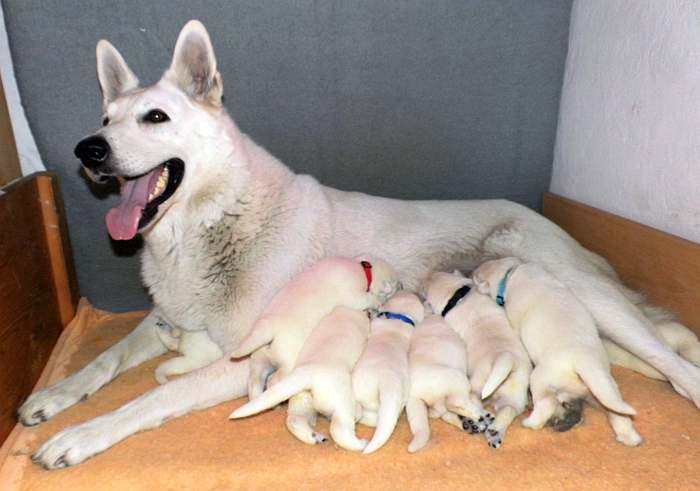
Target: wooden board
<point x="665" y="267"/>
<point x="9" y="162"/>
<point x="38" y="291"/>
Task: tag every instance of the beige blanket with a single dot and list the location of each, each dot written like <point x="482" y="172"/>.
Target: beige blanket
<point x="204" y="450"/>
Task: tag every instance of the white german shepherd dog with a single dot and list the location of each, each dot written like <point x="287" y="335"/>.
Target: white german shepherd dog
<point x="226" y="224"/>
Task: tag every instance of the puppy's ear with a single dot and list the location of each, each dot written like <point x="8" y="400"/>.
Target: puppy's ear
<point x="193" y="68"/>
<point x="113" y="73"/>
<point x="481" y="284"/>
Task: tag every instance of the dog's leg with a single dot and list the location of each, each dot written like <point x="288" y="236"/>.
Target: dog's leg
<point x="545" y="402"/>
<point x="496" y="432"/>
<point x="198" y="351"/>
<point x="681" y="339"/>
<point x="339" y="396"/>
<point x="459" y="400"/>
<point x="142" y="344"/>
<point x="624" y="429"/>
<point x="417" y="414"/>
<point x="624" y="358"/>
<point x="301" y="419"/>
<point x="221" y="381"/>
<point x="622" y="322"/>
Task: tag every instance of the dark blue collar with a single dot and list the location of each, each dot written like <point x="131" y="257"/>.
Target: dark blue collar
<point x="398" y="317"/>
<point x="501" y="294"/>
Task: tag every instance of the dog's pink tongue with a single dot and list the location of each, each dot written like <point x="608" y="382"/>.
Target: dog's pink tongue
<point x="123" y="219"/>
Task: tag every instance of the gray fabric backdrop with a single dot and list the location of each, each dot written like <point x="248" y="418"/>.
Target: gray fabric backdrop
<point x="409" y="99"/>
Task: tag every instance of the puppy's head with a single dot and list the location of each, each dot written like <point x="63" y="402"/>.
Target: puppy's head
<point x="440" y="288"/>
<point x="406" y="303"/>
<point x="385" y="281"/>
<point x="487" y="276"/>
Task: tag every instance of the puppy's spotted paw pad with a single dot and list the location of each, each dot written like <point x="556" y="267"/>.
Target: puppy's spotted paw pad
<point x="494" y="438"/>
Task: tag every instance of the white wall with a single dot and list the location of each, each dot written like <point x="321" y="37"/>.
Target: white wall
<point x="628" y="139"/>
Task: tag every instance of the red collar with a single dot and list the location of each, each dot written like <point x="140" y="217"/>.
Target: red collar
<point x="367" y="266"/>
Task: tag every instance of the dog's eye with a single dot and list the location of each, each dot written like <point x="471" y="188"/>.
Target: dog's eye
<point x="105" y="121"/>
<point x="156" y="116"/>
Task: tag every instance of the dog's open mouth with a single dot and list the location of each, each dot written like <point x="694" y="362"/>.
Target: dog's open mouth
<point x="140" y="198"/>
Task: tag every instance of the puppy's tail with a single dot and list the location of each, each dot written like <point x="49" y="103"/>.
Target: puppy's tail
<point x="603" y="386"/>
<point x="298" y="381"/>
<point x="499" y="372"/>
<point x="390" y="407"/>
<point x="417" y="414"/>
<point x="262" y="334"/>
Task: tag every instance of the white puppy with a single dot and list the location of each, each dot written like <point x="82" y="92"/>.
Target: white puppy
<point x="498" y="366"/>
<point x="562" y="341"/>
<point x="437" y="361"/>
<point x="361" y="283"/>
<point x="380" y="379"/>
<point x="324" y="367"/>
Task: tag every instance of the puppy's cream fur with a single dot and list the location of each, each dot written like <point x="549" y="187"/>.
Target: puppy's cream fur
<point x="380" y="379"/>
<point x="296" y="310"/>
<point x="324" y="367"/>
<point x="498" y="366"/>
<point x="437" y="361"/>
<point x="562" y="341"/>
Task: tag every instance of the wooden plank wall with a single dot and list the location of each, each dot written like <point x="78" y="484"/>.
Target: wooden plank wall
<point x="9" y="162"/>
<point x="665" y="267"/>
<point x="38" y="290"/>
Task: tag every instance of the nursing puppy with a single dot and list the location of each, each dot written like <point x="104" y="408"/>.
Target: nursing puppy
<point x="324" y="367"/>
<point x="562" y="341"/>
<point x="361" y="283"/>
<point x="437" y="361"/>
<point x="497" y="364"/>
<point x="380" y="379"/>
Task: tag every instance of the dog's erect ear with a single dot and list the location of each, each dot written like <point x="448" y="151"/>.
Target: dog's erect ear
<point x="193" y="68"/>
<point x="113" y="73"/>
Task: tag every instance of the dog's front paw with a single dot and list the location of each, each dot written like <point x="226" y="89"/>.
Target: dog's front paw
<point x="47" y="403"/>
<point x="494" y="438"/>
<point x="72" y="446"/>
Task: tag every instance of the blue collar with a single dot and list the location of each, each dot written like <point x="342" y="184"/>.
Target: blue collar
<point x="500" y="296"/>
<point x="398" y="317"/>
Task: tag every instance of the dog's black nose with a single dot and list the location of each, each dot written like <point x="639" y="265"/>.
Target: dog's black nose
<point x="92" y="151"/>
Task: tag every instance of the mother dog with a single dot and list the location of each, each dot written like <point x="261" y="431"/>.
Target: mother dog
<point x="226" y="225"/>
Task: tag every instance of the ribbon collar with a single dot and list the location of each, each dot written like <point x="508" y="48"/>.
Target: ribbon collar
<point x="501" y="294"/>
<point x="398" y="317"/>
<point x="455" y="298"/>
<point x="367" y="266"/>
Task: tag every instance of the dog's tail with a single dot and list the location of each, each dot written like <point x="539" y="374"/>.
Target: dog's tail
<point x="390" y="407"/>
<point x="602" y="385"/>
<point x="504" y="364"/>
<point x="299" y="380"/>
<point x="262" y="334"/>
<point x="417" y="414"/>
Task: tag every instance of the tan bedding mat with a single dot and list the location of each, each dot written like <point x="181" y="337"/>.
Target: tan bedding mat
<point x="204" y="450"/>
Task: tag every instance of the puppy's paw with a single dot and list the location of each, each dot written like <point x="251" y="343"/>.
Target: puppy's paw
<point x="319" y="437"/>
<point x="494" y="438"/>
<point x="630" y="439"/>
<point x="476" y="426"/>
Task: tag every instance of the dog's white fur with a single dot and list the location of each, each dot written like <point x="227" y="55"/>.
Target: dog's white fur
<point x="380" y="380"/>
<point x="561" y="338"/>
<point x="437" y="360"/>
<point x="324" y="368"/>
<point x="497" y="364"/>
<point x="241" y="224"/>
<point x="283" y="327"/>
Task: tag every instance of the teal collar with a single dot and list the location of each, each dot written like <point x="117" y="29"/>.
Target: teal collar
<point x="500" y="295"/>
